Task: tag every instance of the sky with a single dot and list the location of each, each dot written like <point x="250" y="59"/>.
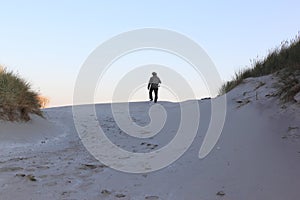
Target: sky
<point x="47" y="42"/>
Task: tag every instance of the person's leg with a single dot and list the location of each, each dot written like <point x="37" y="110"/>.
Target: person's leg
<point x="156" y="95"/>
<point x="150" y="94"/>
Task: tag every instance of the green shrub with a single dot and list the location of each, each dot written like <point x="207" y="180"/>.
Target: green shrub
<point x="285" y="57"/>
<point x="17" y="100"/>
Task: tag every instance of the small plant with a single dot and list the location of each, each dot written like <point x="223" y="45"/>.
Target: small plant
<point x="17" y="100"/>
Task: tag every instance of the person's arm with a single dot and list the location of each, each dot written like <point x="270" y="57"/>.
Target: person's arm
<point x="149" y="84"/>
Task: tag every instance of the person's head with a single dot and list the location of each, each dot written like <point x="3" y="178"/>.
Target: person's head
<point x="154" y="73"/>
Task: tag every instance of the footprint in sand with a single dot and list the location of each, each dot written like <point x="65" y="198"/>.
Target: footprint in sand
<point x="148" y="145"/>
<point x="120" y="195"/>
<point x="151" y="198"/>
<point x="92" y="166"/>
<point x="106" y="192"/>
<point x="29" y="176"/>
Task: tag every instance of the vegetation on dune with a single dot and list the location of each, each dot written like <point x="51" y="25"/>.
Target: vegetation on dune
<point x="284" y="61"/>
<point x="289" y="83"/>
<point x="17" y="100"/>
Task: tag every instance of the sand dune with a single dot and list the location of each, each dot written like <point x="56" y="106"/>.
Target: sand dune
<point x="256" y="157"/>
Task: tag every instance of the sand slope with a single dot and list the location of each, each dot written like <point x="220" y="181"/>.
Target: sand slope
<point x="256" y="157"/>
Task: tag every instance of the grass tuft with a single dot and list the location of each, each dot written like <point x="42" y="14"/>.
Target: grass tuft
<point x="17" y="100"/>
<point x="285" y="58"/>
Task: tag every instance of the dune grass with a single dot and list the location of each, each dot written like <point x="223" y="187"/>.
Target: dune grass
<point x="17" y="100"/>
<point x="285" y="58"/>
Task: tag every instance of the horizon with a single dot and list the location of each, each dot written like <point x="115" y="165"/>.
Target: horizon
<point x="125" y="102"/>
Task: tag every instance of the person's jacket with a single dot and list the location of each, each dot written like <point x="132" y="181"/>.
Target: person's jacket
<point x="154" y="82"/>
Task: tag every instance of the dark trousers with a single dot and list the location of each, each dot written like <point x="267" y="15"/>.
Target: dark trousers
<point x="155" y="93"/>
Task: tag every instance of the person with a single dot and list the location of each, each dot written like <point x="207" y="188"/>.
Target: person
<point x="153" y="86"/>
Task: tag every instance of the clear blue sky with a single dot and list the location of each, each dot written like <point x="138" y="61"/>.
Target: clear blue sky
<point x="47" y="42"/>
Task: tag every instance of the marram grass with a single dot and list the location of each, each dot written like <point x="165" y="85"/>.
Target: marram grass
<point x="17" y="99"/>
